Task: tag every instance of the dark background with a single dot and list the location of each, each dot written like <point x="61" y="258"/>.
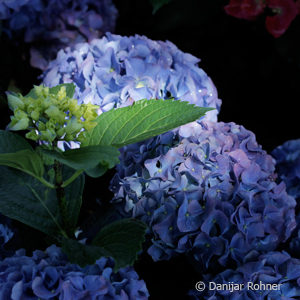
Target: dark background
<point x="257" y="77"/>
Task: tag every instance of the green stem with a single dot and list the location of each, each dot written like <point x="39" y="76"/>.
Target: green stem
<point x="61" y="196"/>
<point x="72" y="178"/>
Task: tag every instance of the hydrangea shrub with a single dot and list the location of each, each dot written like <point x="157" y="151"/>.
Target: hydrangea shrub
<point x="51" y="25"/>
<point x="116" y="71"/>
<point x="48" y="275"/>
<point x="208" y="189"/>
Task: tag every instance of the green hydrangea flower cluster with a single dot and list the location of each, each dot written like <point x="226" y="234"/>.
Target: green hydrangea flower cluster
<point x="51" y="115"/>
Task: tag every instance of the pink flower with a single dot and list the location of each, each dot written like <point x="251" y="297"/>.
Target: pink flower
<point x="245" y="9"/>
<point x="285" y="12"/>
<point x="298" y="6"/>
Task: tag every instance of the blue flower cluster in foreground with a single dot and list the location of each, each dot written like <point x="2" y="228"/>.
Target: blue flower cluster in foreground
<point x="271" y="276"/>
<point x="208" y="189"/>
<point x="115" y="71"/>
<point x="55" y="24"/>
<point x="288" y="167"/>
<point x="48" y="275"/>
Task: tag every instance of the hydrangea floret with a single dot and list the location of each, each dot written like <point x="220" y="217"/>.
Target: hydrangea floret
<point x="49" y="26"/>
<point x="49" y="275"/>
<point x="207" y="189"/>
<point x="51" y="115"/>
<point x="116" y="71"/>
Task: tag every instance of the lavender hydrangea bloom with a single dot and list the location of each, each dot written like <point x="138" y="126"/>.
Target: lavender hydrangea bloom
<point x="115" y="71"/>
<point x="276" y="275"/>
<point x="51" y="25"/>
<point x="48" y="275"/>
<point x="208" y="189"/>
<point x="288" y="165"/>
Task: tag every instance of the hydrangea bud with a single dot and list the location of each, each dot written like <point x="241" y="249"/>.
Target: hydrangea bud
<point x="51" y="115"/>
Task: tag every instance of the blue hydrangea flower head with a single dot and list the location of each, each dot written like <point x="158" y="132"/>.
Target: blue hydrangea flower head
<point x="115" y="71"/>
<point x="288" y="165"/>
<point x="207" y="188"/>
<point x="275" y="275"/>
<point x="51" y="25"/>
<point x="48" y="275"/>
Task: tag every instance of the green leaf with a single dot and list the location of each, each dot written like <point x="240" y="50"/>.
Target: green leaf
<point x="25" y="199"/>
<point x="97" y="171"/>
<point x="70" y="89"/>
<point x="157" y="4"/>
<point x="93" y="159"/>
<point x="73" y="197"/>
<point x="11" y="142"/>
<point x="122" y="240"/>
<point x="16" y="152"/>
<point x="82" y="254"/>
<point x="144" y="119"/>
<point x="26" y="161"/>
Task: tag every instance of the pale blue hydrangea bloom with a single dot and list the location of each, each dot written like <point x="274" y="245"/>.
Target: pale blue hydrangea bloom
<point x="115" y="71"/>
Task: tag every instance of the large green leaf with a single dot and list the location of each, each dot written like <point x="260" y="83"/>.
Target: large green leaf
<point x="17" y="153"/>
<point x="25" y="199"/>
<point x="74" y="197"/>
<point x="26" y="161"/>
<point x="11" y="142"/>
<point x="144" y="119"/>
<point x="122" y="240"/>
<point x="82" y="254"/>
<point x="94" y="160"/>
